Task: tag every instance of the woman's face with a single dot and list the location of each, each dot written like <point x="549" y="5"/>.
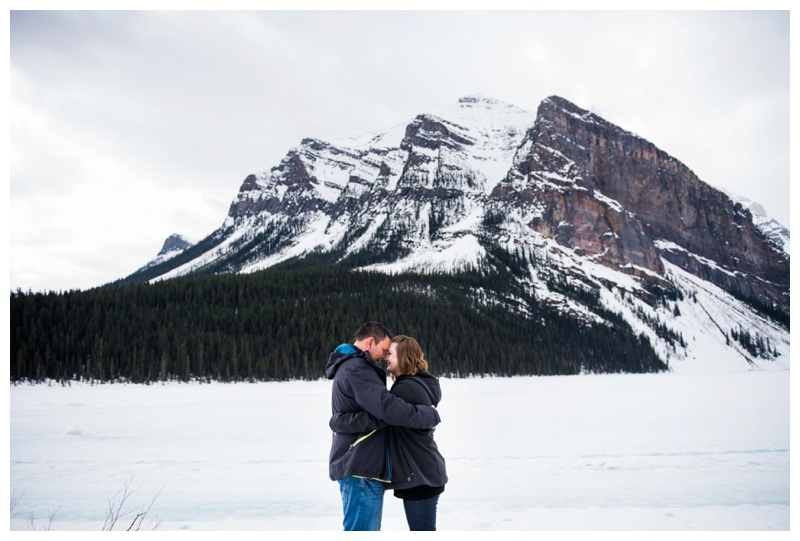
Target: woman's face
<point x="391" y="360"/>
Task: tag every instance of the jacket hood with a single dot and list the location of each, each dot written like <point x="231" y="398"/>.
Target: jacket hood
<point x="340" y="355"/>
<point x="431" y="383"/>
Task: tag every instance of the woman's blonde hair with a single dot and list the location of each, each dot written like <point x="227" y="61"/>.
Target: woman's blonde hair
<point x="410" y="358"/>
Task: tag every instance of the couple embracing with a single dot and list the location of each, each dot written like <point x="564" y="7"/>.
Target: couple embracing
<point x="384" y="439"/>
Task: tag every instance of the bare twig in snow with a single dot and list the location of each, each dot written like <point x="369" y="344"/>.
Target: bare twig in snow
<point x="15" y="498"/>
<point x="115" y="511"/>
<point x="51" y="515"/>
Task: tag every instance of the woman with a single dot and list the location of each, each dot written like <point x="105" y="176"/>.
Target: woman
<point x="417" y="467"/>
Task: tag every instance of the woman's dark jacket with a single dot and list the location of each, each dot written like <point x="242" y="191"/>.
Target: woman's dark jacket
<point x="413" y="453"/>
<point x="360" y="386"/>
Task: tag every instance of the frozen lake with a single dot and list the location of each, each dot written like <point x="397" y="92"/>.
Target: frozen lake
<point x="676" y="451"/>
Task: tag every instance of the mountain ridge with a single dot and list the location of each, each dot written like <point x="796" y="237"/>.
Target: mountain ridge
<point x="558" y="191"/>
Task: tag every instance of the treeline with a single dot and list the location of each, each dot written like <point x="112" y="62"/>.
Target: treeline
<point x="282" y="323"/>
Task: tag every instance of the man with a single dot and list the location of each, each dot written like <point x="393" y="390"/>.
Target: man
<point x="360" y="462"/>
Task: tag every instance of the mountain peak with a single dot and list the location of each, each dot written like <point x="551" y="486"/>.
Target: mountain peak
<point x="478" y="98"/>
<point x="488" y="115"/>
<point x="174" y="243"/>
<point x="480" y="101"/>
<point x="564" y="104"/>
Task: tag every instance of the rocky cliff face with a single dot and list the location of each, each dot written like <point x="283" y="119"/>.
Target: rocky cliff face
<point x="175" y="243"/>
<point x="616" y="197"/>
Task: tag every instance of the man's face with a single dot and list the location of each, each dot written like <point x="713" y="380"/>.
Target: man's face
<point x="379" y="350"/>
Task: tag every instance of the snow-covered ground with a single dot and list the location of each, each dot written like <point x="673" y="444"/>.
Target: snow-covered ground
<point x="674" y="451"/>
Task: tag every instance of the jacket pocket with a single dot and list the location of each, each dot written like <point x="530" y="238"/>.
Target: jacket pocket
<point x="360" y="439"/>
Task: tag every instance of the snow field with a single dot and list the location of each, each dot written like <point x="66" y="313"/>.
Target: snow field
<point x="660" y="452"/>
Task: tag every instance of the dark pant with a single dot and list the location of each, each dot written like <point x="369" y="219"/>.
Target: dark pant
<point x="421" y="514"/>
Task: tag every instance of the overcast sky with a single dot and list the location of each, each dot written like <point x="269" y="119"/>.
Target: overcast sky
<point x="126" y="127"/>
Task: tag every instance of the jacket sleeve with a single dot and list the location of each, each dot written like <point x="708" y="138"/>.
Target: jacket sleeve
<point x="355" y="423"/>
<point x="372" y="395"/>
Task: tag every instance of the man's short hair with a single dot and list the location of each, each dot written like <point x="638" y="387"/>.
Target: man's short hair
<point x="372" y="329"/>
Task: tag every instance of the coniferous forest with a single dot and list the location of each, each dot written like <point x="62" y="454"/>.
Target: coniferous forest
<point x="283" y="322"/>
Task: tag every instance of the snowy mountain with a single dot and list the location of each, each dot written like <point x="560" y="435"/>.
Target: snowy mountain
<point x="583" y="216"/>
<point x="174" y="245"/>
<point x="776" y="232"/>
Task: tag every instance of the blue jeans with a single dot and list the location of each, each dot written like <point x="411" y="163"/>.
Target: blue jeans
<point x="362" y="501"/>
<point x="421" y="514"/>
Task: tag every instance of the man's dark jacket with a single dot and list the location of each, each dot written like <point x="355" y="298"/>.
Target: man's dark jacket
<point x="360" y="385"/>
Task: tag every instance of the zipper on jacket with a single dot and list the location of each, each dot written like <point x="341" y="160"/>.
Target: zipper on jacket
<point x="362" y="438"/>
<point x="373" y="479"/>
<point x="388" y="463"/>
